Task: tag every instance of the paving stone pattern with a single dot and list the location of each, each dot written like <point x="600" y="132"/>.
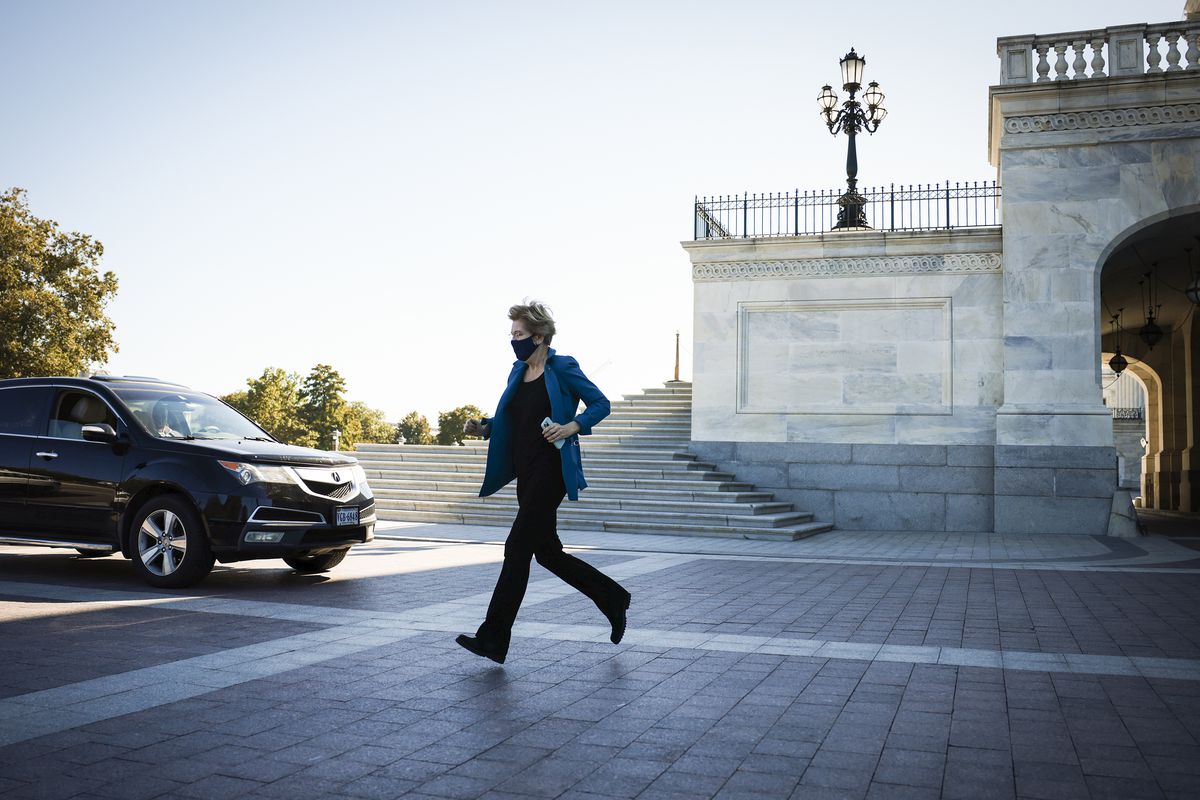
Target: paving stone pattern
<point x="1133" y="614"/>
<point x="49" y="649"/>
<point x="318" y="688"/>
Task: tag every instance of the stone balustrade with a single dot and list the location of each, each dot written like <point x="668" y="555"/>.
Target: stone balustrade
<point x="1103" y="53"/>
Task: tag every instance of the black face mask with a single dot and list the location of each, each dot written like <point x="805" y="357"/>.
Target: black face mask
<point x="524" y="347"/>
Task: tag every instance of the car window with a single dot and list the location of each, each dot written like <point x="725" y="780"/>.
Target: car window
<point x="172" y="414"/>
<point x="73" y="409"/>
<point x="23" y="410"/>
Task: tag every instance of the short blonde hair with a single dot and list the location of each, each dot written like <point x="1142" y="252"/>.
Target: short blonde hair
<point x="536" y="317"/>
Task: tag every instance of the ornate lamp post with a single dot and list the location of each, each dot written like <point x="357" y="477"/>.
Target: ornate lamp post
<point x="851" y="119"/>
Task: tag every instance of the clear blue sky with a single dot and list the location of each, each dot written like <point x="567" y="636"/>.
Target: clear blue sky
<point x="372" y="184"/>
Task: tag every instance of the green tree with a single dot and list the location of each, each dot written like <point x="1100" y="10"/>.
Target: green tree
<point x="52" y="295"/>
<point x="273" y="401"/>
<point x="324" y="405"/>
<point x="240" y="400"/>
<point x="450" y="424"/>
<point x="414" y="429"/>
<point x="361" y="423"/>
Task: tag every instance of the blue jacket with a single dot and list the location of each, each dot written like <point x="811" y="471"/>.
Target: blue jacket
<point x="566" y="385"/>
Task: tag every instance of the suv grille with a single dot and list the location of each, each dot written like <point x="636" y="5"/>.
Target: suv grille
<point x="336" y="484"/>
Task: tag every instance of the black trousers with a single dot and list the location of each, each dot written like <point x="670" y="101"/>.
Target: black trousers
<point x="534" y="534"/>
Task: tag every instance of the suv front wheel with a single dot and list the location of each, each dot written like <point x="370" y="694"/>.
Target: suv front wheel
<point x="170" y="548"/>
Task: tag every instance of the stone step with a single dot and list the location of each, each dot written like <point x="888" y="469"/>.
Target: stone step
<point x="368" y="447"/>
<point x="642" y="479"/>
<point x="658" y="396"/>
<point x="598" y="454"/>
<point x="678" y="494"/>
<point x="790" y="533"/>
<point x="615" y="473"/>
<point x="636" y="440"/>
<point x="655" y="404"/>
<point x="682" y="430"/>
<point x="692" y="483"/>
<point x="598" y="448"/>
<point x="580" y="512"/>
<point x="592" y="499"/>
<point x="597" y="466"/>
<point x="668" y="402"/>
<point x="671" y="389"/>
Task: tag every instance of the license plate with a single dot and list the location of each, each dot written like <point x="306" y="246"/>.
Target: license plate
<point x="346" y="515"/>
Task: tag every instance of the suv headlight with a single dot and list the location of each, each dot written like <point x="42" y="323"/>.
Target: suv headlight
<point x="257" y="473"/>
<point x="360" y="480"/>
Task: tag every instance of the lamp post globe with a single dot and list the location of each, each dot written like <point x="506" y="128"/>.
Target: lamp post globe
<point x="852" y="65"/>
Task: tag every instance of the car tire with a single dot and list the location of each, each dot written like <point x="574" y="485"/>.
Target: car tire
<point x="318" y="563"/>
<point x="170" y="548"/>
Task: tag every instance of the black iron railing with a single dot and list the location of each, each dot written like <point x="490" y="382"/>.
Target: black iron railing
<point x="934" y="206"/>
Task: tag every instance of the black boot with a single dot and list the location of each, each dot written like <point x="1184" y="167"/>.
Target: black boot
<point x="481" y="648"/>
<point x="616" y="617"/>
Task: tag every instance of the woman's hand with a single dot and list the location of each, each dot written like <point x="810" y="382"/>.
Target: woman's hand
<point x="473" y="428"/>
<point x="554" y="432"/>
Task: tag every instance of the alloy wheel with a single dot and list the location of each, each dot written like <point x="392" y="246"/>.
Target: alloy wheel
<point x="162" y="542"/>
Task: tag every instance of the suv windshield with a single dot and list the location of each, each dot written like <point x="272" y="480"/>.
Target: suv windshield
<point x="170" y="414"/>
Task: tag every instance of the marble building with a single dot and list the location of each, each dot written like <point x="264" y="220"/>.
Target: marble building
<point x="951" y="379"/>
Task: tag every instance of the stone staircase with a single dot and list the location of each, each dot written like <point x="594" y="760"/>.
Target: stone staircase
<point x="641" y="479"/>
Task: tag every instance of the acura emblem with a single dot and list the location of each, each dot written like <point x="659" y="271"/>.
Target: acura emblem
<point x="337" y="478"/>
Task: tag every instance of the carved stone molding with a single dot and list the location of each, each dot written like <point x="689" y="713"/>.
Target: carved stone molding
<point x="955" y="263"/>
<point x="1109" y="118"/>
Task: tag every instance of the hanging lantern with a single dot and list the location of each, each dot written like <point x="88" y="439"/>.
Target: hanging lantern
<point x="1118" y="363"/>
<point x="1150" y="333"/>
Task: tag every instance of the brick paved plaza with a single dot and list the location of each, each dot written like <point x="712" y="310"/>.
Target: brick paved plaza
<point x="848" y="665"/>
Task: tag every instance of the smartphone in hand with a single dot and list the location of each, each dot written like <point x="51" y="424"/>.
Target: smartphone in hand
<point x="546" y="423"/>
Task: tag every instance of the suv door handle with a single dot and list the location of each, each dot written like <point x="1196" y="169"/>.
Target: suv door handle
<point x="48" y="456"/>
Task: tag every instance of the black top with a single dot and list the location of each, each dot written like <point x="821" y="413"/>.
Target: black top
<point x="528" y="408"/>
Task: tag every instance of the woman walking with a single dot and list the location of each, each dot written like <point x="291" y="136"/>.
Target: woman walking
<point x="544" y="458"/>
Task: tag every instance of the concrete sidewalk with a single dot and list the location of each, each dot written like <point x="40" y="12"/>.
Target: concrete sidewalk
<point x="847" y="665"/>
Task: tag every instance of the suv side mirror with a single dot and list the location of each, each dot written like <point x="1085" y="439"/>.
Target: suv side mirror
<point x="99" y="432"/>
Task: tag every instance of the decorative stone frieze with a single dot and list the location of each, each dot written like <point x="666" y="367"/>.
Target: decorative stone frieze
<point x="1108" y="118"/>
<point x="956" y="263"/>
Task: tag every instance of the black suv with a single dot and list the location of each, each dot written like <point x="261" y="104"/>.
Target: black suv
<point x="171" y="478"/>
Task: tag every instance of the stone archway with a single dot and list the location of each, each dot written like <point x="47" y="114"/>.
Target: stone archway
<point x="1154" y="254"/>
<point x="1152" y="424"/>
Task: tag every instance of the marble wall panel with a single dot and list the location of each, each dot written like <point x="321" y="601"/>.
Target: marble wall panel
<point x="966" y="426"/>
<point x="864" y="363"/>
<point x="984" y="389"/>
<point x="842" y="428"/>
<point x="1039" y="183"/>
<point x="1177" y="167"/>
<point x="937" y="358"/>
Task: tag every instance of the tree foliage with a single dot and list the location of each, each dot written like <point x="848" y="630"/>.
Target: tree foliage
<point x="414" y="429"/>
<point x="273" y="401"/>
<point x="450" y="424"/>
<point x="306" y="411"/>
<point x="324" y="407"/>
<point x="361" y="423"/>
<point x="52" y="295"/>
